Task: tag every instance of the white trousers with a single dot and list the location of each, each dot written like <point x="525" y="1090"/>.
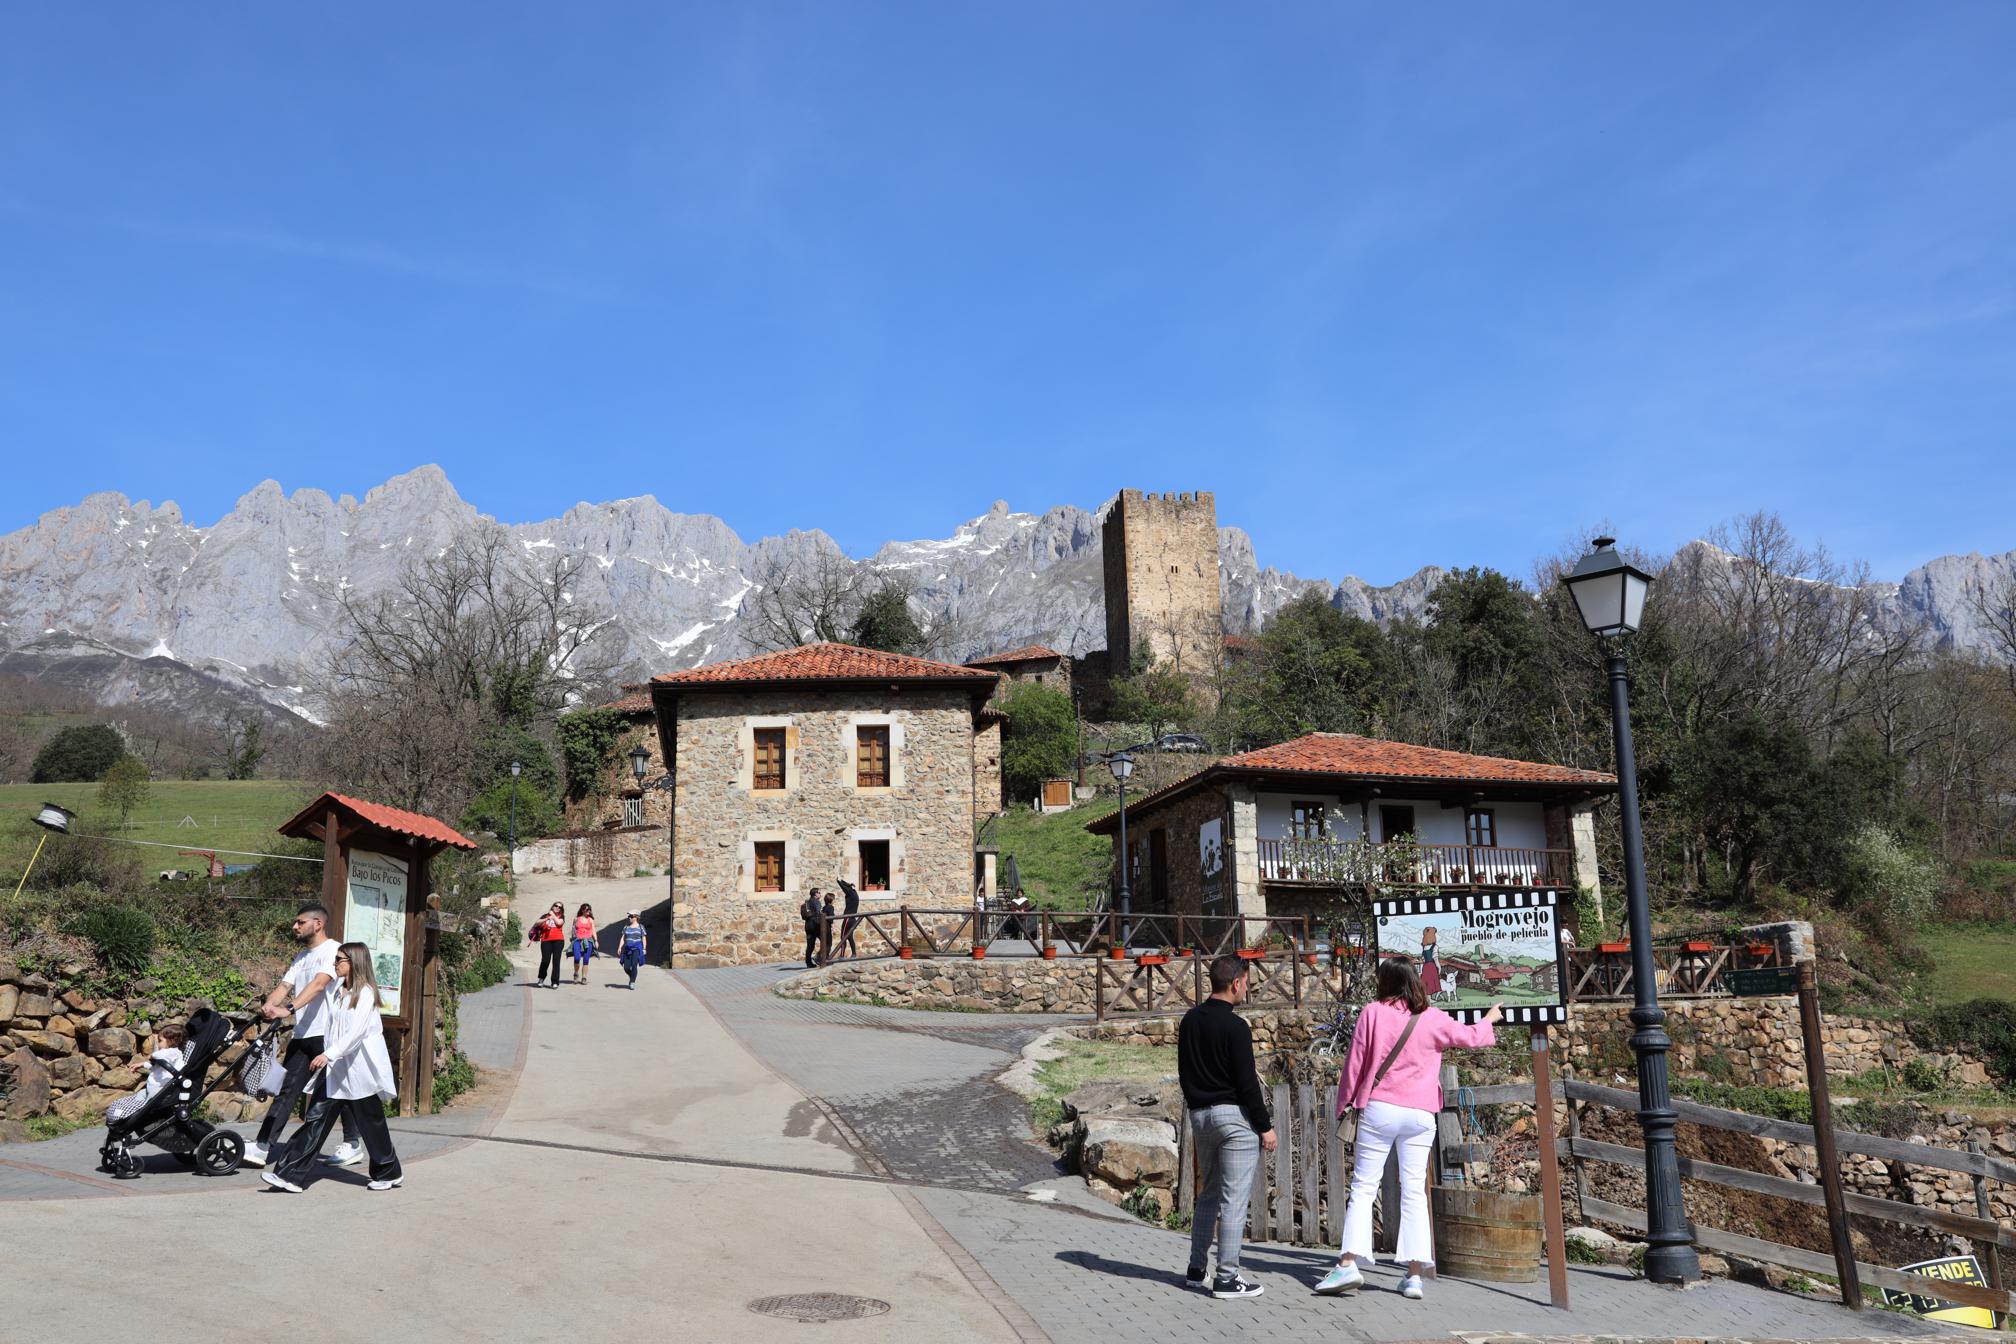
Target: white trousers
<point x="1381" y="1126"/>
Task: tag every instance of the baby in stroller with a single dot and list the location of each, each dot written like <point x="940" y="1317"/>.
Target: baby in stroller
<point x="162" y="1067"/>
<point x="165" y="1115"/>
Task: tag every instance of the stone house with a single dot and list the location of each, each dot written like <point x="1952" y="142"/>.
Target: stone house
<point x="1034" y="663"/>
<point x="795" y="769"/>
<point x="622" y="802"/>
<point x="1287" y="829"/>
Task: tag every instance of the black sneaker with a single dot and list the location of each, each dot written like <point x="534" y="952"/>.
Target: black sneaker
<point x="1233" y="1285"/>
<point x="1194" y="1277"/>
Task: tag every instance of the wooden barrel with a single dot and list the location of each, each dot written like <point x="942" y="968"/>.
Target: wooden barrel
<point x="1481" y="1235"/>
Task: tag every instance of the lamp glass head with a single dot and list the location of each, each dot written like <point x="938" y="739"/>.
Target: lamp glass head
<point x="516" y="766"/>
<point x="1122" y="766"/>
<point x="1609" y="590"/>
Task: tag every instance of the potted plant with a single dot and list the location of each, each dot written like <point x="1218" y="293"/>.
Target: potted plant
<point x="1116" y="953"/>
<point x="1698" y="945"/>
<point x="905" y="952"/>
<point x="979" y="952"/>
<point x="1186" y="952"/>
<point x="1049" y="951"/>
<point x="1152" y="959"/>
<point x="1613" y="947"/>
<point x="1252" y="954"/>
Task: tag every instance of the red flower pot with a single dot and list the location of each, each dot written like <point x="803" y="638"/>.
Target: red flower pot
<point x="1186" y="952"/>
<point x="1699" y="947"/>
<point x="905" y="953"/>
<point x="1151" y="959"/>
<point x="979" y="954"/>
<point x="1613" y="947"/>
<point x="1116" y="953"/>
<point x="1252" y="954"/>
<point x="1049" y="953"/>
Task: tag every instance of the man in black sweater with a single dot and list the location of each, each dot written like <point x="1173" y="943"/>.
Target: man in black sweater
<point x="1229" y="1119"/>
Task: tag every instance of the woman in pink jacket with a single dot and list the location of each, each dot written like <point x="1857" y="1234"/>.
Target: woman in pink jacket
<point x="1393" y="1078"/>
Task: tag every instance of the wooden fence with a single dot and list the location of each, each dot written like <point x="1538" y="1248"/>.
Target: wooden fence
<point x="1304" y="1183"/>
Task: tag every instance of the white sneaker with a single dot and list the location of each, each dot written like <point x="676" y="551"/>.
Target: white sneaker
<point x="279" y="1182"/>
<point x="346" y="1155"/>
<point x="1410" y="1287"/>
<point x="392" y="1184"/>
<point x="1344" y="1277"/>
<point x="255" y="1155"/>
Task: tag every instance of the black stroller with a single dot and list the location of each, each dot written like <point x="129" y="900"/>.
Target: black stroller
<point x="168" y="1119"/>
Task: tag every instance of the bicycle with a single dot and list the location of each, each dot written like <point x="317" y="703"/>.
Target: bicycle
<point x="1332" y="1038"/>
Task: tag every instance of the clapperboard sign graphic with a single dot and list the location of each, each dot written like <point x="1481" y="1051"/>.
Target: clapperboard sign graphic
<point x="1481" y="948"/>
<point x="1954" y="1269"/>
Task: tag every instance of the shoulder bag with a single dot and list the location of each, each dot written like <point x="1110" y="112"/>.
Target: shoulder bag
<point x="1347" y="1119"/>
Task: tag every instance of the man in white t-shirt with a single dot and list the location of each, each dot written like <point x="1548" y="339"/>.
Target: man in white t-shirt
<point x="303" y="991"/>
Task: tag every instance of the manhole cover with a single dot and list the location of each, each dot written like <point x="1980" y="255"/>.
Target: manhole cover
<point x="812" y="1308"/>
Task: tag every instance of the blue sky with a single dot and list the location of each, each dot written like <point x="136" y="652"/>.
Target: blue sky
<point x="1403" y="284"/>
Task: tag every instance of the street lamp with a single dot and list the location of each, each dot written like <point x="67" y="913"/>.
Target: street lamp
<point x="511" y="845"/>
<point x="52" y="819"/>
<point x="640" y="761"/>
<point x="1122" y="766"/>
<point x="1610" y="594"/>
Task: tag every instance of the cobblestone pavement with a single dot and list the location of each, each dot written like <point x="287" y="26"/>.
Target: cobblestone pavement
<point x="917" y="1088"/>
<point x="1119" y="1281"/>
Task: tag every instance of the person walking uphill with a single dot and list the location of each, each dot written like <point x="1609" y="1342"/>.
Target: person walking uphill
<point x="550" y="932"/>
<point x="631" y="948"/>
<point x="1392" y="1078"/>
<point x="1228" y="1117"/>
<point x="583" y="945"/>
<point x="355" y="1083"/>
<point x="302" y="991"/>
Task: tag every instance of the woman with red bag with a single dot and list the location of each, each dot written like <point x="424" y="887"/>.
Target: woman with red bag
<point x="551" y="935"/>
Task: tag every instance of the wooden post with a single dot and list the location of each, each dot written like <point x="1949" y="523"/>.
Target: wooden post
<point x="1284" y="1157"/>
<point x="1335" y="1175"/>
<point x="1550" y="1171"/>
<point x="1099" y="989"/>
<point x="335" y="874"/>
<point x="1824" y="1151"/>
<point x="1991" y="1255"/>
<point x="1311" y="1159"/>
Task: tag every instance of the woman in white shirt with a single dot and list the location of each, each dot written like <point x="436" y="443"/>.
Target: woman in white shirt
<point x="356" y="1077"/>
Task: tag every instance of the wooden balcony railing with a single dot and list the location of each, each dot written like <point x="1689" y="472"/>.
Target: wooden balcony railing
<point x="1336" y="863"/>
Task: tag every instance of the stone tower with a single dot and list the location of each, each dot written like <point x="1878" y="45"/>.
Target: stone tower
<point x="1161" y="560"/>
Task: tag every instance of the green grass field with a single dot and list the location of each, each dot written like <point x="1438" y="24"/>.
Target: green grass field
<point x="1058" y="859"/>
<point x="1973" y="961"/>
<point x="193" y="814"/>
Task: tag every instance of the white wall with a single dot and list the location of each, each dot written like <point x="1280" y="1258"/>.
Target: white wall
<point x="1520" y="825"/>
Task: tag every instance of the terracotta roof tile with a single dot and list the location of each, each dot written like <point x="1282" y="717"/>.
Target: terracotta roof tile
<point x="824" y="662"/>
<point x="378" y="814"/>
<point x="1029" y="653"/>
<point x="637" y="702"/>
<point x="1350" y="754"/>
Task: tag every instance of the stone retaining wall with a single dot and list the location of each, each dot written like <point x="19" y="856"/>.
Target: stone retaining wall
<point x="613" y="853"/>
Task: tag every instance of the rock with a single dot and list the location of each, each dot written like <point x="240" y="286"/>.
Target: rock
<point x="1110" y="1193"/>
<point x="33" y="1004"/>
<point x="10" y="996"/>
<point x="121" y="1079"/>
<point x="60" y="1025"/>
<point x="67" y="1072"/>
<point x="84" y="1104"/>
<point x="38" y="983"/>
<point x="1128" y="1151"/>
<point x="1106" y="1096"/>
<point x="115" y="1016"/>
<point x="142" y="988"/>
<point x="9" y="971"/>
<point x="76" y="1002"/>
<point x="49" y="1043"/>
<point x="28" y="1094"/>
<point x="13" y="1131"/>
<point x="115" y="1041"/>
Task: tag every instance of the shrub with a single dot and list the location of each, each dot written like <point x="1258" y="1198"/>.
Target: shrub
<point x="454" y="1078"/>
<point x="123" y="935"/>
<point x="1920" y="1075"/>
<point x="486" y="968"/>
<point x="1985" y="1028"/>
<point x="1776" y="1103"/>
<point x="1885" y="880"/>
<point x="181" y="978"/>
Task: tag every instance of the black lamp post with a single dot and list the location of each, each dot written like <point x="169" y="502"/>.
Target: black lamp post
<point x="1610" y="594"/>
<point x="511" y="844"/>
<point x="1122" y="766"/>
<point x="640" y="761"/>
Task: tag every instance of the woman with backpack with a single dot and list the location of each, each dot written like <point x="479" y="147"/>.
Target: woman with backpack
<point x="630" y="948"/>
<point x="355" y="1078"/>
<point x="551" y="934"/>
<point x="1392" y="1085"/>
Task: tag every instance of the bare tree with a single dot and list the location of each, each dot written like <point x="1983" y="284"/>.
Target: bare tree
<point x="805" y="602"/>
<point x="482" y="633"/>
<point x="1995" y="605"/>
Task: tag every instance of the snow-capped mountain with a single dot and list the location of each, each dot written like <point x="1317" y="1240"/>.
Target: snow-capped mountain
<point x="252" y="603"/>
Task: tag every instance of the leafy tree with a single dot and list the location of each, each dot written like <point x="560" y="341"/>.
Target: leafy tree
<point x="1153" y="693"/>
<point x="587" y="736"/>
<point x="78" y="754"/>
<point x="1312" y="669"/>
<point x="1040" y="740"/>
<point x="886" y="622"/>
<point x="242" y="760"/>
<point x="538" y="809"/>
<point x="125" y="786"/>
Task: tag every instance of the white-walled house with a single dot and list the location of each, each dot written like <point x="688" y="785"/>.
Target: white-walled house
<point x="1283" y="829"/>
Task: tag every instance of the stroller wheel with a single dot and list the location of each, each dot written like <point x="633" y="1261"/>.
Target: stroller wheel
<point x="219" y="1153"/>
<point x="123" y="1164"/>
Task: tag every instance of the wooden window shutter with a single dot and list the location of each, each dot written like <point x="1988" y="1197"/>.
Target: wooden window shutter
<point x="768" y="750"/>
<point x="871" y="756"/>
<point x="770" y="865"/>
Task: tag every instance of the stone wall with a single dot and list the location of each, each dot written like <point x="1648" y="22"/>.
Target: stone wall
<point x="927" y="814"/>
<point x="612" y="853"/>
<point x="1160" y="554"/>
<point x="619" y="782"/>
<point x="993" y="985"/>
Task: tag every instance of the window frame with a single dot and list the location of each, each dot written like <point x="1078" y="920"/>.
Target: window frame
<point x="866" y="734"/>
<point x="1490" y="828"/>
<point x="768" y="849"/>
<point x="1298" y="820"/>
<point x="759" y="738"/>
<point x="633" y="810"/>
<point x="888" y="864"/>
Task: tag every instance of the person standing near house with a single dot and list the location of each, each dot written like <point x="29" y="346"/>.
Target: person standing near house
<point x="814" y="915"/>
<point x="630" y="947"/>
<point x="826" y="913"/>
<point x="1393" y="1078"/>
<point x="1229" y="1119"/>
<point x="551" y="935"/>
<point x="851" y="907"/>
<point x="583" y="945"/>
<point x="302" y="991"/>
